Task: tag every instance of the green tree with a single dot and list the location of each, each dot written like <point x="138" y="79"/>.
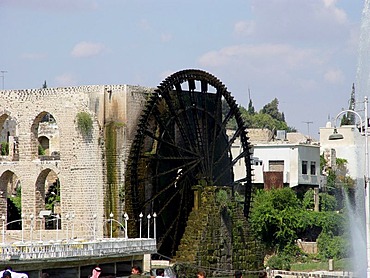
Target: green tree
<point x="261" y="120"/>
<point x="327" y="202"/>
<point x="276" y="217"/>
<point x="269" y="117"/>
<point x="272" y="110"/>
<point x="251" y="109"/>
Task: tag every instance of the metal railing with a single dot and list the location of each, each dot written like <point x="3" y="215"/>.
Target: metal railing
<point x="58" y="250"/>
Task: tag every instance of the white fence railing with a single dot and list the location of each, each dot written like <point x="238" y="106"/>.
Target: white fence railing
<point x="74" y="249"/>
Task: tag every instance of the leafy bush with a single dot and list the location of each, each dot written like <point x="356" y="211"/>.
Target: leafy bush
<point x="17" y="199"/>
<point x="4" y="148"/>
<point x="276" y="216"/>
<point x="327" y="202"/>
<point x="41" y="150"/>
<point x="333" y="247"/>
<point x="279" y="262"/>
<point x="84" y="123"/>
<point x="308" y="201"/>
<point x="279" y="220"/>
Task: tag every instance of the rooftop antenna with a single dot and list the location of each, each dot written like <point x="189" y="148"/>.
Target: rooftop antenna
<point x="308" y="128"/>
<point x="3" y="76"/>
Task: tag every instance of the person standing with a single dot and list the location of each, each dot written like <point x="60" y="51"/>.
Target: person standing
<point x="7" y="274"/>
<point x="238" y="274"/>
<point x="135" y="271"/>
<point x="201" y="274"/>
<point x="96" y="272"/>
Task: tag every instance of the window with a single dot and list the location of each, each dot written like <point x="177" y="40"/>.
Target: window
<point x="304" y="167"/>
<point x="313" y="168"/>
<point x="276" y="165"/>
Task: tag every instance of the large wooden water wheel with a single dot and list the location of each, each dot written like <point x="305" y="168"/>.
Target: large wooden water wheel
<point x="181" y="143"/>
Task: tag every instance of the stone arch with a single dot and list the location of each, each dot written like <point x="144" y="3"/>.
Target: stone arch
<point x="45" y="141"/>
<point x="10" y="200"/>
<point x="47" y="198"/>
<point x="8" y="138"/>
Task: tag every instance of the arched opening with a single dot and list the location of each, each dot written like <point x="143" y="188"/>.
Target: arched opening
<point x="45" y="141"/>
<point x="43" y="148"/>
<point x="48" y="200"/>
<point x="8" y="139"/>
<point x="11" y="200"/>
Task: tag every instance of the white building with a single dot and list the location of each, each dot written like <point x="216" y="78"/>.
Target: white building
<point x="351" y="148"/>
<point x="299" y="163"/>
<point x="294" y="162"/>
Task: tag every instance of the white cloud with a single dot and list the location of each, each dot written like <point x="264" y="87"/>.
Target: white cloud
<point x="330" y="10"/>
<point x="244" y="28"/>
<point x="262" y="55"/>
<point x="65" y="80"/>
<point x="334" y="76"/>
<point x="87" y="49"/>
<point x="301" y="21"/>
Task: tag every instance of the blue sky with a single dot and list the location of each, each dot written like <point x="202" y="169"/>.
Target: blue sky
<point x="303" y="52"/>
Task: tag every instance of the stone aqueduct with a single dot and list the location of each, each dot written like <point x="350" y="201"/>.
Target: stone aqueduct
<point x="76" y="162"/>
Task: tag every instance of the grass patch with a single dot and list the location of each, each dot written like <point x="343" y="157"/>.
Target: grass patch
<point x="339" y="265"/>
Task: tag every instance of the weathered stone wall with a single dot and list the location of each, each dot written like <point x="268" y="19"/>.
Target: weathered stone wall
<point x="217" y="237"/>
<point x="81" y="168"/>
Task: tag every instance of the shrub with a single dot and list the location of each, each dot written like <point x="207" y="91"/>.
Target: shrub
<point x="333" y="247"/>
<point x="279" y="262"/>
<point x="4" y="148"/>
<point x="41" y="150"/>
<point x="327" y="201"/>
<point x="84" y="123"/>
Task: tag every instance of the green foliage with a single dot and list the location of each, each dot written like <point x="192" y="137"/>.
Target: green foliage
<point x="261" y="120"/>
<point x="308" y="200"/>
<point x="333" y="247"/>
<point x="41" y="150"/>
<point x="222" y="198"/>
<point x="251" y="109"/>
<point x="52" y="196"/>
<point x="17" y="199"/>
<point x="268" y="117"/>
<point x="339" y="265"/>
<point x="328" y="221"/>
<point x="84" y="123"/>
<point x="276" y="216"/>
<point x="331" y="179"/>
<point x="341" y="162"/>
<point x="272" y="110"/>
<point x="4" y="148"/>
<point x="346" y="120"/>
<point x="327" y="202"/>
<point x="281" y="262"/>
